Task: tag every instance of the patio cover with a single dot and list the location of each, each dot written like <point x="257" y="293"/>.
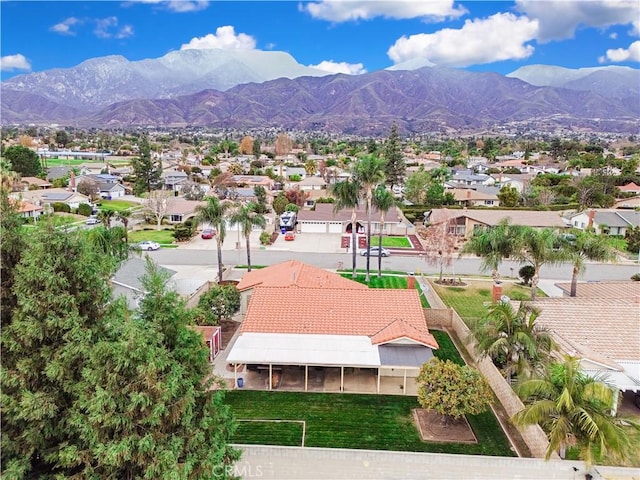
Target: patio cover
<point x="404" y="356"/>
<point x="320" y="350"/>
<point x="629" y="379"/>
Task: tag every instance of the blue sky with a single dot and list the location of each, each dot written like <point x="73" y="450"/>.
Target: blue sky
<point x="353" y="37"/>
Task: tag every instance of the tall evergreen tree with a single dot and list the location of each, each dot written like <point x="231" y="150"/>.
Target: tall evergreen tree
<point x="146" y="170"/>
<point x="61" y="296"/>
<point x="394" y="170"/>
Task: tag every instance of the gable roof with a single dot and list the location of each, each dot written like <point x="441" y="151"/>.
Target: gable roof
<point x="337" y="311"/>
<point x="400" y="329"/>
<point x="296" y="274"/>
<point x="324" y="212"/>
<point x="492" y="217"/>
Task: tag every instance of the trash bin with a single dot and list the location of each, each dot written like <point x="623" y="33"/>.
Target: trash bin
<point x="283" y="230"/>
<point x="240" y="382"/>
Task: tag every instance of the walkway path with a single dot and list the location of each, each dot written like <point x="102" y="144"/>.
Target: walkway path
<point x="294" y="463"/>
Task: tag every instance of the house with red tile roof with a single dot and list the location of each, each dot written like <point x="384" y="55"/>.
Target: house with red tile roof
<point x="298" y="316"/>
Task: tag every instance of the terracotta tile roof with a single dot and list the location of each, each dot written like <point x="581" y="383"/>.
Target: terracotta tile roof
<point x="298" y="274"/>
<point x="400" y="329"/>
<point x="608" y="327"/>
<point x="627" y="289"/>
<point x="334" y="311"/>
<point x="24" y="207"/>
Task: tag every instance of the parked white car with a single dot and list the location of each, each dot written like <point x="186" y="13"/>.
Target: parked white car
<point x="375" y="252"/>
<point x="147" y="245"/>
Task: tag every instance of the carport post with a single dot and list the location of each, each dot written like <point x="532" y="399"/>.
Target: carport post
<point x="270" y="375"/>
<point x="342" y="378"/>
<point x="235" y="375"/>
<point x="378" y="385"/>
<point x="306" y="376"/>
<point x="404" y="385"/>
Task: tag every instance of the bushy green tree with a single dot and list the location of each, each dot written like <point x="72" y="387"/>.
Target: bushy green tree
<point x="219" y="303"/>
<point x="23" y="160"/>
<point x="508" y="196"/>
<point x="452" y="390"/>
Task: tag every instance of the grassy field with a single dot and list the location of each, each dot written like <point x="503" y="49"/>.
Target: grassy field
<point x="470" y="301"/>
<point x="391" y="242"/>
<point x="378" y="422"/>
<point x="163" y="237"/>
<point x="74" y="162"/>
<point x="118" y="205"/>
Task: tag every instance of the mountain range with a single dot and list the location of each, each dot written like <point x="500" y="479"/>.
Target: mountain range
<point x="254" y="89"/>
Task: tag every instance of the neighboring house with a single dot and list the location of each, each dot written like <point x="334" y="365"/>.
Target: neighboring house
<point x="34" y="182"/>
<point x="312" y="183"/>
<point x="519" y="181"/>
<point x="468" y="178"/>
<point x="465" y="222"/>
<point x="609" y="222"/>
<point x="251" y="181"/>
<point x="291" y="171"/>
<point x="630" y="188"/>
<point x="54" y="195"/>
<point x="633" y="202"/>
<point x="29" y="210"/>
<point x="324" y="220"/>
<point x="180" y="209"/>
<point x="53" y="173"/>
<point x="333" y="324"/>
<point x="468" y="197"/>
<point x="109" y="191"/>
<point x="127" y="281"/>
<point x="173" y="179"/>
<point x="601" y="325"/>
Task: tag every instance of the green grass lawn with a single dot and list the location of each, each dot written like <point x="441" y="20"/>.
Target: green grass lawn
<point x="391" y="242"/>
<point x="470" y="301"/>
<point x="387" y="281"/>
<point x="163" y="237"/>
<point x="378" y="422"/>
<point x="118" y="205"/>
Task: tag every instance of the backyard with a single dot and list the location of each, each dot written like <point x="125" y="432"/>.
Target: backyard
<point x="387" y="281"/>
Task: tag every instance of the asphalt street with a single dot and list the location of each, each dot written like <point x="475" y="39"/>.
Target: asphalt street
<point x="406" y="263"/>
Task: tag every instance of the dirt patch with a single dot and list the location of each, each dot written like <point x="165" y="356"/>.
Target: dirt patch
<point x="433" y="429"/>
<point x="228" y="328"/>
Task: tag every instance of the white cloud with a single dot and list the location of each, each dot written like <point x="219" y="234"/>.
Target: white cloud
<point x="108" y="28"/>
<point x="559" y="19"/>
<point x="64" y="27"/>
<point x="340" y="67"/>
<point x="346" y="10"/>
<point x="9" y="63"/>
<point x="178" y="6"/>
<point x="502" y="36"/>
<point x="183" y="6"/>
<point x="225" y="38"/>
<point x="631" y="54"/>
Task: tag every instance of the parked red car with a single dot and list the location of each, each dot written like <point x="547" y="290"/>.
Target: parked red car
<point x="208" y="233"/>
<point x="289" y="236"/>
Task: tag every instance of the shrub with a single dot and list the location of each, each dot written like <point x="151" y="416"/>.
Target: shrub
<point x="265" y="238"/>
<point x="61" y="207"/>
<point x="635" y="277"/>
<point x="85" y="209"/>
<point x="182" y="232"/>
<point x="526" y="273"/>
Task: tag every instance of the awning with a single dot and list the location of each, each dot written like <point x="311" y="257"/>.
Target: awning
<point x="404" y="355"/>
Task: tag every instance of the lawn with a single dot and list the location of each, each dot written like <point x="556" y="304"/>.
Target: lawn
<point x="387" y="281"/>
<point x="391" y="242"/>
<point x="163" y="237"/>
<point x="470" y="301"/>
<point x="118" y="205"/>
<point x="377" y="422"/>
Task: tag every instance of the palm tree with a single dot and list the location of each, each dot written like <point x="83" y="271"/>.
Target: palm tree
<point x="124" y="216"/>
<point x="586" y="246"/>
<point x="493" y="245"/>
<point x="369" y="173"/>
<point x="575" y="410"/>
<point x="538" y="248"/>
<point x="105" y="216"/>
<point x="516" y="343"/>
<point x="347" y="195"/>
<point x="214" y="213"/>
<point x="383" y="200"/>
<point x="246" y="217"/>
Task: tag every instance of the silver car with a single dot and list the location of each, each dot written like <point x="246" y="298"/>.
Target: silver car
<point x="148" y="245"/>
<point x="375" y="252"/>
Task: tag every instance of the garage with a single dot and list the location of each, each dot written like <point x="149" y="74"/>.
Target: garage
<point x="335" y="227"/>
<point x="312" y="227"/>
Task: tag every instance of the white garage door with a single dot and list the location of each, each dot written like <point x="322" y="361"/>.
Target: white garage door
<point x="335" y="227"/>
<point x="312" y="227"/>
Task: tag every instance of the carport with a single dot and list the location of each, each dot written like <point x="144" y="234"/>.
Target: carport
<point x="350" y="355"/>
